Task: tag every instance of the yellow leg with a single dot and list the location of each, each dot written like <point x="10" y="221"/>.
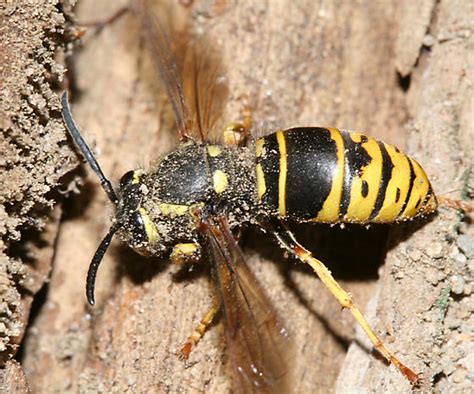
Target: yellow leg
<point x="199" y="331"/>
<point x="289" y="243"/>
<point x="186" y="253"/>
<point x="236" y="134"/>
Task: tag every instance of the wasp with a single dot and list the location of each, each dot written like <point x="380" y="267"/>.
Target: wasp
<point x="192" y="203"/>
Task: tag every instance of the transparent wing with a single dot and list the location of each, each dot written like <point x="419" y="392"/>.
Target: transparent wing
<point x="205" y="87"/>
<point x="159" y="44"/>
<point x="258" y="343"/>
<point x="189" y="69"/>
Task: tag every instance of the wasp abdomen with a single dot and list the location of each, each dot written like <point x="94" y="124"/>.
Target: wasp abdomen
<point x="332" y="176"/>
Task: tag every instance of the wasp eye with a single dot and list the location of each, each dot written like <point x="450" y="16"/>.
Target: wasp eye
<point x="137" y="228"/>
<point x="127" y="178"/>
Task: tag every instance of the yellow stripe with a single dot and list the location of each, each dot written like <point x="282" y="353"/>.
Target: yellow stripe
<point x="259" y="147"/>
<point x="261" y="186"/>
<point x="329" y="213"/>
<point x="282" y="177"/>
<point x="418" y="192"/>
<point x="400" y="181"/>
<point x="360" y="207"/>
<point x="173" y="209"/>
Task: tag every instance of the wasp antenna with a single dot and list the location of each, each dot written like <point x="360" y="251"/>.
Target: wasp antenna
<point x="84" y="148"/>
<point x="93" y="267"/>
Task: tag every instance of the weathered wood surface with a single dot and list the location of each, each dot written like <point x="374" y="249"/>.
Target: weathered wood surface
<point x="304" y="64"/>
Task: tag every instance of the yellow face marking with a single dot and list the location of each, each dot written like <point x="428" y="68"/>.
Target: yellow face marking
<point x="136" y="177"/>
<point x="418" y="192"/>
<point x="259" y="147"/>
<point x="329" y="213"/>
<point x="283" y="170"/>
<point x="220" y="181"/>
<point x="150" y="228"/>
<point x="360" y="207"/>
<point x="397" y="188"/>
<point x="261" y="186"/>
<point x="213" y="150"/>
<point x="173" y="209"/>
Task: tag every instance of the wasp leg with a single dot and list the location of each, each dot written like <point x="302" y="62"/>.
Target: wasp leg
<point x="236" y="134"/>
<point x="199" y="331"/>
<point x="288" y="242"/>
<point x="191" y="253"/>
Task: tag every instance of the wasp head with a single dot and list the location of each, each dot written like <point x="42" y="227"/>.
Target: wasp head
<point x="135" y="225"/>
<point x="132" y="221"/>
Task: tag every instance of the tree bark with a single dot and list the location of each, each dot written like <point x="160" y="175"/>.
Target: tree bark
<point x="395" y="71"/>
<point x="34" y="158"/>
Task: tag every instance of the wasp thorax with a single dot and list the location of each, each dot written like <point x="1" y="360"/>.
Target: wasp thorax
<point x="156" y="209"/>
<point x="136" y="226"/>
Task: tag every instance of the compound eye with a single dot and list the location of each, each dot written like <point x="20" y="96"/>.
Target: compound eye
<point x="137" y="228"/>
<point x="127" y="178"/>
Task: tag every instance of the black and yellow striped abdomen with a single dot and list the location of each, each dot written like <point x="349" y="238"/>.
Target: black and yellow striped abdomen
<point x="331" y="176"/>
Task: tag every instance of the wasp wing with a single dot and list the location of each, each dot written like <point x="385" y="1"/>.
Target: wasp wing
<point x="189" y="68"/>
<point x="159" y="45"/>
<point x="258" y="343"/>
<point x="205" y="87"/>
